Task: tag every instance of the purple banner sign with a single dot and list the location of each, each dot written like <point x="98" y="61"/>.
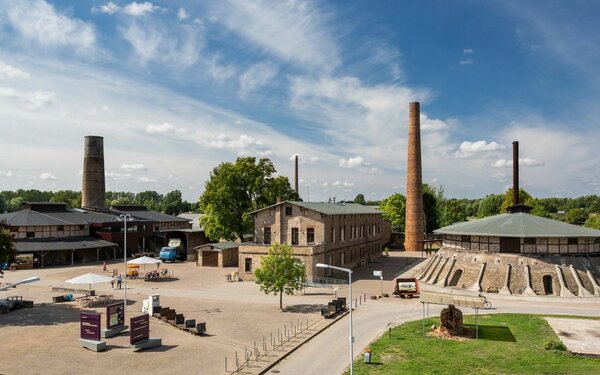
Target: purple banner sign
<point x="115" y="315"/>
<point x="139" y="328"/>
<point x="90" y="326"/>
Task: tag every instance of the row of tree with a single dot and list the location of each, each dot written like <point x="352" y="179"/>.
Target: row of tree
<point x="170" y="203"/>
<point x="440" y="212"/>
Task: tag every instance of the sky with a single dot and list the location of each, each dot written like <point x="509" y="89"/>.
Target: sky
<point x="177" y="87"/>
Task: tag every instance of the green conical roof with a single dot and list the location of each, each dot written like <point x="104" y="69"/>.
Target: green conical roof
<point x="518" y="225"/>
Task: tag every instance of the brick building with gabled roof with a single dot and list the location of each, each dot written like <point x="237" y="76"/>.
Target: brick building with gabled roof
<point x="341" y="234"/>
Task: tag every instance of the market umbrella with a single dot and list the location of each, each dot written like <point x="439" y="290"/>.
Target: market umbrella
<point x="89" y="278"/>
<point x="144" y="260"/>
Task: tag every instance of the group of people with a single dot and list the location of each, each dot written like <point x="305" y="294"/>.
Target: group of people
<point x="118" y="279"/>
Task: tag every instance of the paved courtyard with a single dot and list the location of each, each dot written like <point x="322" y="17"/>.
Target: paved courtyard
<point x="44" y="339"/>
<point x="581" y="336"/>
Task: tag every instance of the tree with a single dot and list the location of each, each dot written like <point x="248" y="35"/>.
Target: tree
<point x="2" y="204"/>
<point x="172" y="203"/>
<point x="524" y="198"/>
<point x="360" y="199"/>
<point x="394" y="211"/>
<point x="576" y="216"/>
<point x="150" y="199"/>
<point x="432" y="203"/>
<point x="452" y="212"/>
<point x="280" y="272"/>
<point x="593" y="221"/>
<point x="7" y="249"/>
<point x="70" y="197"/>
<point x="490" y="205"/>
<point x="236" y="189"/>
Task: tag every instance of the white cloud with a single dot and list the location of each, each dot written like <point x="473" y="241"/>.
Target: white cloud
<point x="147" y="179"/>
<point x="468" y="149"/>
<point x="140" y="9"/>
<point x="429" y="124"/>
<point x="118" y="176"/>
<point x="6" y="174"/>
<point x="108" y="8"/>
<point x="304" y="159"/>
<point x="182" y="14"/>
<point x="466" y="62"/>
<point x="39" y="21"/>
<point x="468" y="51"/>
<point x="243" y="144"/>
<point x="47" y="176"/>
<point x="359" y="164"/>
<point x="256" y="76"/>
<point x="296" y="31"/>
<point x="178" y="47"/>
<point x="164" y="128"/>
<point x="344" y="184"/>
<point x="218" y="71"/>
<point x="133" y="167"/>
<point x="9" y="72"/>
<point x="503" y="163"/>
<point x="32" y="101"/>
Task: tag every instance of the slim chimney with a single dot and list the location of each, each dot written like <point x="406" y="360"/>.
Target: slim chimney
<point x="414" y="235"/>
<point x="515" y="173"/>
<point x="296" y="175"/>
<point x="93" y="193"/>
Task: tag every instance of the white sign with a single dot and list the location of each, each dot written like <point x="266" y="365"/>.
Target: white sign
<point x="378" y="273"/>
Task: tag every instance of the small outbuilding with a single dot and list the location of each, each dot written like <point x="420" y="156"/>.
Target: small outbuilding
<point x="220" y="254"/>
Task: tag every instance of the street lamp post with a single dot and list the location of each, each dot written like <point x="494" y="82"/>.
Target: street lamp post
<point x="125" y="218"/>
<point x="351" y="339"/>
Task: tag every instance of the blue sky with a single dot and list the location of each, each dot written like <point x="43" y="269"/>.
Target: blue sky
<point x="176" y="87"/>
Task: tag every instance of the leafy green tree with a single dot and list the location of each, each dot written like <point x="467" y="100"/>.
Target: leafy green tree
<point x="116" y="198"/>
<point x="151" y="199"/>
<point x="453" y="212"/>
<point x="7" y="249"/>
<point x="490" y="205"/>
<point x="280" y="272"/>
<point x="576" y="216"/>
<point x="172" y="203"/>
<point x="236" y="189"/>
<point x="70" y="197"/>
<point x="394" y="211"/>
<point x="593" y="221"/>
<point x="524" y="198"/>
<point x="360" y="199"/>
<point x="14" y="204"/>
<point x="432" y="204"/>
<point x="2" y="205"/>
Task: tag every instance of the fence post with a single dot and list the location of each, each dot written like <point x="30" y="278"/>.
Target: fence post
<point x="226" y="364"/>
<point x="237" y="362"/>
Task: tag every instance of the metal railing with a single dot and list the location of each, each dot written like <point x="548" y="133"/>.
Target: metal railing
<point x="325" y="282"/>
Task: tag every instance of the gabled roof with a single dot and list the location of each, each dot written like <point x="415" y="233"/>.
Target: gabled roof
<point x="327" y="208"/>
<point x="518" y="225"/>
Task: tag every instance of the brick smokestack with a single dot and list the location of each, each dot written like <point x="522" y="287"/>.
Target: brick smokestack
<point x="296" y="175"/>
<point x="515" y="173"/>
<point x="93" y="191"/>
<point x="414" y="183"/>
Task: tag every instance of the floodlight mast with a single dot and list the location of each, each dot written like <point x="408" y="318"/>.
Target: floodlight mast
<point x="351" y="339"/>
<point x="124" y="218"/>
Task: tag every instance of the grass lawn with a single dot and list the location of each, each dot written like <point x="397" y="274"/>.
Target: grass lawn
<point x="508" y="344"/>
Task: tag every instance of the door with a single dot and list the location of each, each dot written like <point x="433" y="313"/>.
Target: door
<point x="210" y="259"/>
<point x="510" y="245"/>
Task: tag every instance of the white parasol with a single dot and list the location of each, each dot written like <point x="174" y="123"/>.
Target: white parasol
<point x="89" y="278"/>
<point x="144" y="260"/>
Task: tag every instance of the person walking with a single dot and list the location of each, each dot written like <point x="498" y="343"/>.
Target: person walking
<point x="104" y="267"/>
<point x="119" y="281"/>
<point x="112" y="283"/>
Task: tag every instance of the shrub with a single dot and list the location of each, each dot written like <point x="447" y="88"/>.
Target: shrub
<point x="555" y="345"/>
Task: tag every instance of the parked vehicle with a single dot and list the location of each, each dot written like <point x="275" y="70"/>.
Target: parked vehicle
<point x="172" y="254"/>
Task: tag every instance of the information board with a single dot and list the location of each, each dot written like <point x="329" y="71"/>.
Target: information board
<point x="115" y="315"/>
<point x="140" y="328"/>
<point x="90" y="326"/>
<point x="407" y="286"/>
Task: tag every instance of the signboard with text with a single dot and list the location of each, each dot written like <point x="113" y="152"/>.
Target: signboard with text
<point x="115" y="315"/>
<point x="90" y="326"/>
<point x="407" y="287"/>
<point x="139" y="328"/>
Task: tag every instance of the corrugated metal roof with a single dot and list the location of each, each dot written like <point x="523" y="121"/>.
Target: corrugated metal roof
<point x="518" y="225"/>
<point x="327" y="208"/>
<point x="150" y="215"/>
<point x="194" y="219"/>
<point x="55" y="244"/>
<point x="225" y="245"/>
<point x="69" y="217"/>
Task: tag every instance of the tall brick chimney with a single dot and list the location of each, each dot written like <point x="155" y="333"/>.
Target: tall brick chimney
<point x="296" y="175"/>
<point x="93" y="191"/>
<point x="414" y="183"/>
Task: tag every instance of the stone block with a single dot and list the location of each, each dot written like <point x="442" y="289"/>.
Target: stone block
<point x="111" y="332"/>
<point x="146" y="344"/>
<point x="96" y="346"/>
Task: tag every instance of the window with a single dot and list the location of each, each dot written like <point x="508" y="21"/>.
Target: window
<point x="332" y="234"/>
<point x="572" y="240"/>
<point x="529" y="241"/>
<point x="60" y="227"/>
<point x="342" y="233"/>
<point x="465" y="238"/>
<point x="294" y="236"/>
<point x="267" y="236"/>
<point x="288" y="211"/>
<point x="30" y="234"/>
<point x="310" y="235"/>
<point x="248" y="264"/>
<point x="82" y="227"/>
